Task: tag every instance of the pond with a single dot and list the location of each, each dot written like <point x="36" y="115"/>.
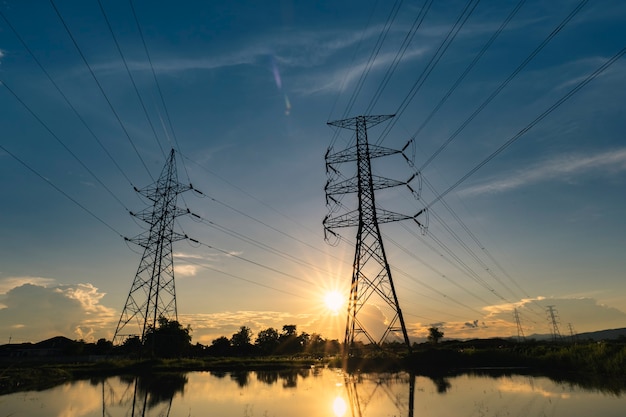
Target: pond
<point x="315" y="392"/>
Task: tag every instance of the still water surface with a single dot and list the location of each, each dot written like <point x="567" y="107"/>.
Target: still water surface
<point x="313" y="392"/>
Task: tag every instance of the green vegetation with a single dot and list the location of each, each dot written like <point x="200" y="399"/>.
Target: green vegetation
<point x="168" y="348"/>
<point x="607" y="358"/>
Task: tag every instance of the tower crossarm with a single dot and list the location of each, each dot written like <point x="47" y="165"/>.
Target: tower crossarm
<point x="352" y="123"/>
<point x="386" y="216"/>
<point x="156" y="192"/>
<point x="350" y="154"/>
<point x="351" y="185"/>
<point x="147" y="215"/>
<point x="146" y="239"/>
<point x="351" y="218"/>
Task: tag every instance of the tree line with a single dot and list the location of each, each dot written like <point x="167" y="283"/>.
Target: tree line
<point x="170" y="339"/>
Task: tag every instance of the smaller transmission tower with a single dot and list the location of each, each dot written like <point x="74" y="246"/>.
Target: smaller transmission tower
<point x="520" y="331"/>
<point x="153" y="293"/>
<point x="553" y="318"/>
<point x="372" y="284"/>
<point x="572" y="332"/>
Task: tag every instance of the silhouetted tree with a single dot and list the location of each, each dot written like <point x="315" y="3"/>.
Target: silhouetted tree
<point x="316" y="344"/>
<point x="434" y="335"/>
<point x="332" y="347"/>
<point x="219" y="346"/>
<point x="289" y="341"/>
<point x="169" y="339"/>
<point x="103" y="346"/>
<point x="240" y="341"/>
<point x="131" y="346"/>
<point x="267" y="341"/>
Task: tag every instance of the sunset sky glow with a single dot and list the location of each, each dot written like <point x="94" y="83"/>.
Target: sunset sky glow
<point x="245" y="90"/>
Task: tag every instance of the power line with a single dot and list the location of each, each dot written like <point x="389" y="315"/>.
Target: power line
<point x="472" y="64"/>
<point x="47" y="128"/>
<point x="50" y="183"/>
<point x="258" y="244"/>
<point x="343" y="81"/>
<point x="419" y="19"/>
<point x="441" y="274"/>
<point x="65" y="98"/>
<point x="497" y="91"/>
<point x="269" y="268"/>
<point x="260" y="222"/>
<point x="374" y="54"/>
<point x="470" y="6"/>
<point x="247" y="280"/>
<point x="370" y="62"/>
<point x="130" y="76"/>
<point x="532" y="124"/>
<point x="156" y="81"/>
<point x="248" y="194"/>
<point x="93" y="75"/>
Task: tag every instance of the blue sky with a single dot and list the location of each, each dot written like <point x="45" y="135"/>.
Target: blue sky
<point x="248" y="90"/>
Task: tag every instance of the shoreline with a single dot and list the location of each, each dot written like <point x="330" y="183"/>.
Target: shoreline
<point x="435" y="363"/>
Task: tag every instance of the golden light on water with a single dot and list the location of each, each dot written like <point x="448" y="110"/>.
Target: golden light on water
<point x="339" y="407"/>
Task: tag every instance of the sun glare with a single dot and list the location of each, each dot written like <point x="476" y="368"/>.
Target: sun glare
<point x="340" y="407"/>
<point x="333" y="301"/>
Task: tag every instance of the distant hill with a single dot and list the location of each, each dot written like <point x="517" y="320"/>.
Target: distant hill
<point x="611" y="334"/>
<point x="57" y="342"/>
<point x="603" y="334"/>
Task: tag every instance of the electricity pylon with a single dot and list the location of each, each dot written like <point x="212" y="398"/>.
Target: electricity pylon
<point x="553" y="318"/>
<point x="371" y="274"/>
<point x="153" y="293"/>
<point x="520" y="330"/>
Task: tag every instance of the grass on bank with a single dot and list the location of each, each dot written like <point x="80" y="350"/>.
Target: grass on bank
<point x="590" y="361"/>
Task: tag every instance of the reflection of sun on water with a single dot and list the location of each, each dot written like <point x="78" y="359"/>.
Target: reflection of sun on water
<point x="333" y="301"/>
<point x="339" y="407"/>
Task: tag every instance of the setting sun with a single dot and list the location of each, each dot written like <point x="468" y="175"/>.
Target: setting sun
<point x="333" y="301"/>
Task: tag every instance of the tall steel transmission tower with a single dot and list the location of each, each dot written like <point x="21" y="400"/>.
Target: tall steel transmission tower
<point x="153" y="293"/>
<point x="372" y="284"/>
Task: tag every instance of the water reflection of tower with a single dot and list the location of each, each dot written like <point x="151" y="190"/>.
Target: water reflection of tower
<point x="360" y="394"/>
<point x="142" y="396"/>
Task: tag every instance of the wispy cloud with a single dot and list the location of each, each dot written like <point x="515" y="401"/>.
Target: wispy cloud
<point x="291" y="49"/>
<point x="7" y="284"/>
<point x="562" y="168"/>
<point x="341" y="78"/>
<point x="207" y="327"/>
<point x="311" y="50"/>
<point x="186" y="270"/>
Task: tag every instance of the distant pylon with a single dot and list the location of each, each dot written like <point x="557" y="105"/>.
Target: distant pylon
<point x="371" y="275"/>
<point x="572" y="333"/>
<point x="153" y="292"/>
<point x="553" y="318"/>
<point x="520" y="331"/>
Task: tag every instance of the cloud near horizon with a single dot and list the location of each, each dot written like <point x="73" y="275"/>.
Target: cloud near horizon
<point x="210" y="326"/>
<point x="583" y="313"/>
<point x="33" y="312"/>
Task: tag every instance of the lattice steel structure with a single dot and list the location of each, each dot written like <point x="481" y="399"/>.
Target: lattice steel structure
<point x="153" y="292"/>
<point x="554" y="323"/>
<point x="520" y="330"/>
<point x="372" y="283"/>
